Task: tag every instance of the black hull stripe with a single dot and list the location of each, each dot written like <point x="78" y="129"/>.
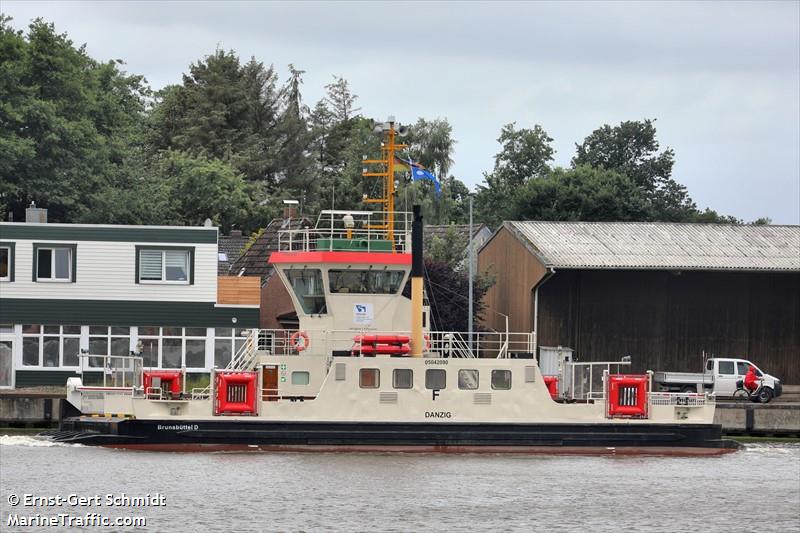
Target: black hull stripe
<point x="116" y="432"/>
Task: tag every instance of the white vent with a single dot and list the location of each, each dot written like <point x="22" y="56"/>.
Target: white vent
<point x="482" y="398"/>
<point x="340" y="371"/>
<point x="530" y="374"/>
<point x="388" y="397"/>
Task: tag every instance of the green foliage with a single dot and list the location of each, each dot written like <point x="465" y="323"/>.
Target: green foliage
<point x="67" y="122"/>
<point x="582" y="193"/>
<point x="525" y="155"/>
<point x="632" y="149"/>
<point x="449" y="248"/>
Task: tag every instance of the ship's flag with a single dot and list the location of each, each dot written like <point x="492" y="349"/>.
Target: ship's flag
<point x="418" y="172"/>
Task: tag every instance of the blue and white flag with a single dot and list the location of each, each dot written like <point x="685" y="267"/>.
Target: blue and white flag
<point x="418" y="172"/>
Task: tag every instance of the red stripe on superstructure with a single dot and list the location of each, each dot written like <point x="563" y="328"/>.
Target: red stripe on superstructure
<point x="360" y="258"/>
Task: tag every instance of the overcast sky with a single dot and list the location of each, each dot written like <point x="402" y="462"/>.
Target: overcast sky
<point x="722" y="79"/>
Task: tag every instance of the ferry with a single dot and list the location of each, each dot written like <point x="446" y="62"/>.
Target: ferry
<point x="365" y="371"/>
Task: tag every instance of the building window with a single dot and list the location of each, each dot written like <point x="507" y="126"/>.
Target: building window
<point x="307" y="286"/>
<point x="402" y="378"/>
<point x="501" y="379"/>
<point x="51" y="346"/>
<point x="172" y="347"/>
<point x="369" y="378"/>
<point x="435" y="378"/>
<point x="108" y="340"/>
<point x="54" y="262"/>
<point x="164" y="265"/>
<point x="300" y="378"/>
<point x="227" y="342"/>
<point x="468" y="379"/>
<point x="7" y="261"/>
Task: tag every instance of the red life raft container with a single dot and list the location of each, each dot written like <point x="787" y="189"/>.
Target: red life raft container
<point x="551" y="382"/>
<point x="627" y="395"/>
<point x="392" y="349"/>
<point x="381" y="339"/>
<point x="171" y="380"/>
<point x="235" y="393"/>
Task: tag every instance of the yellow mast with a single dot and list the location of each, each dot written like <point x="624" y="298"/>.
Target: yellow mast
<point x="388" y="148"/>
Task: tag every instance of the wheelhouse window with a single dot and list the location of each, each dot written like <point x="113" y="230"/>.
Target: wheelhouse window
<point x="365" y="281"/>
<point x="402" y="378"/>
<point x="435" y="378"/>
<point x="501" y="379"/>
<point x="54" y="263"/>
<point x="6" y="261"/>
<point x="369" y="378"/>
<point x="467" y="379"/>
<point x="164" y="265"/>
<point x="307" y="286"/>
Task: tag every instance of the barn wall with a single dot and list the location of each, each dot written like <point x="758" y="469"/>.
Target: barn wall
<point x="516" y="271"/>
<point x="665" y="320"/>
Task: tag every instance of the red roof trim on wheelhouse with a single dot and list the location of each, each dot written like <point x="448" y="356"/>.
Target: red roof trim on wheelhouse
<point x="360" y="258"/>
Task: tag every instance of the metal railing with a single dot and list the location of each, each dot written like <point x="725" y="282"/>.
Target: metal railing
<point x="245" y="356"/>
<point x="585" y="380"/>
<point x="369" y="233"/>
<point x="123" y="371"/>
<point x="323" y="342"/>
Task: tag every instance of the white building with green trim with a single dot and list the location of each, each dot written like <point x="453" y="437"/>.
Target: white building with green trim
<point x="111" y="290"/>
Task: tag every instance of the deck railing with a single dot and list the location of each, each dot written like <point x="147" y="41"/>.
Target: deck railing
<point x="369" y="232"/>
<point x="325" y="342"/>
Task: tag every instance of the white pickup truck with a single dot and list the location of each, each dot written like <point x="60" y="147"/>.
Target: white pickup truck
<point x="719" y="378"/>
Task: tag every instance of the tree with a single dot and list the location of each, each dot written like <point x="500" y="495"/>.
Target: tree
<point x="223" y="110"/>
<point x="67" y="122"/>
<point x="341" y="100"/>
<point x="582" y="193"/>
<point x="632" y="149"/>
<point x="448" y="294"/>
<point x="196" y="186"/>
<point x="525" y="155"/>
<point x="450" y="248"/>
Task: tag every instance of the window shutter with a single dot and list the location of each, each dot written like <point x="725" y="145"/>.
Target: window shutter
<point x="150" y="264"/>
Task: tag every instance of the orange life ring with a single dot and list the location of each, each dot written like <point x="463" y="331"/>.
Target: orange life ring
<point x="297" y="344"/>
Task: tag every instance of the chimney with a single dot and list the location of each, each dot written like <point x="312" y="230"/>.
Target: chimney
<point x="236" y="233"/>
<point x="290" y="209"/>
<point x="35" y="214"/>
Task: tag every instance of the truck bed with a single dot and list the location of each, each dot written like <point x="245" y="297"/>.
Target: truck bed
<point x="688" y="378"/>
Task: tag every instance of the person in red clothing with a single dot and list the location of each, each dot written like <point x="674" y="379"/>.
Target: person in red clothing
<point x="751" y="379"/>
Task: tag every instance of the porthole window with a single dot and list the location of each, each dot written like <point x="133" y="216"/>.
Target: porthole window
<point x="467" y="379"/>
<point x="435" y="378"/>
<point x="402" y="378"/>
<point x="300" y="377"/>
<point x="501" y="379"/>
<point x="369" y="378"/>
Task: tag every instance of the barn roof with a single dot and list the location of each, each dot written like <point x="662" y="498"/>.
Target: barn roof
<point x="659" y="245"/>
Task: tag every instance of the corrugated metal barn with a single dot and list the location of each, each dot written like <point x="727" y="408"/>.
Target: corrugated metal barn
<point x="662" y="293"/>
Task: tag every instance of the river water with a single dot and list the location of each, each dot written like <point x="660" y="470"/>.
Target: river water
<point x="756" y="489"/>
